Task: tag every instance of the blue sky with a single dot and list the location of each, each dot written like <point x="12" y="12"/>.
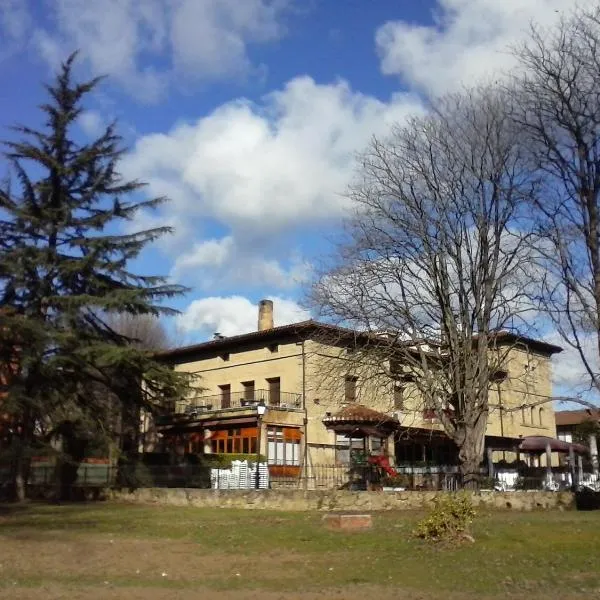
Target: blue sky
<point x="248" y="114"/>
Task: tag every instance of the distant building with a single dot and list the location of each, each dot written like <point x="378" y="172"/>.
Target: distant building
<point x="567" y="421"/>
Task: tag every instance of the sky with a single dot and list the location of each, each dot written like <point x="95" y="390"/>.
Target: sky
<point x="248" y="114"/>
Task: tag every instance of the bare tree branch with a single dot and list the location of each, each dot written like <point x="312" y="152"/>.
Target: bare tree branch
<point x="436" y="260"/>
<point x="557" y="106"/>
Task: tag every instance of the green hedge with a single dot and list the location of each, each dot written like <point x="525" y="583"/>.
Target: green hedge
<point x="223" y="461"/>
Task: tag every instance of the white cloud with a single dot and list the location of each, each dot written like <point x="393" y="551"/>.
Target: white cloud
<point x="223" y="261"/>
<point x="261" y="171"/>
<point x="569" y="375"/>
<point x="273" y="165"/>
<point x="15" y="23"/>
<point x="468" y="42"/>
<point x="92" y="123"/>
<point x="210" y="37"/>
<point x="193" y="39"/>
<point x="234" y="315"/>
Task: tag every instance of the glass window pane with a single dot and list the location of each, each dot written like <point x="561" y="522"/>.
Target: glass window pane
<point x="280" y="458"/>
<point x="271" y="456"/>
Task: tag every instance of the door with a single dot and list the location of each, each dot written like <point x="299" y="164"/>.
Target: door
<point x="274" y="391"/>
<point x="225" y="396"/>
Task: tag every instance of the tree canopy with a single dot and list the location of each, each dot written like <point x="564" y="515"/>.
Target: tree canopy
<point x="68" y="242"/>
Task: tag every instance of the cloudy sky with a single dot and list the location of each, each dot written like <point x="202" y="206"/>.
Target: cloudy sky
<point x="248" y="113"/>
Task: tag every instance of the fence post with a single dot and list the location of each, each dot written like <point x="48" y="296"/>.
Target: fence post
<point x="594" y="453"/>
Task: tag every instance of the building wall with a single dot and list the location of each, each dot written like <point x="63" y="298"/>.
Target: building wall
<point x="529" y="382"/>
<point x="320" y="369"/>
<point x="254" y="362"/>
<point x="327" y="368"/>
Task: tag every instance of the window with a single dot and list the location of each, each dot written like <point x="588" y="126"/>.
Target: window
<point x="283" y="445"/>
<point x="541" y="417"/>
<point x="248" y="390"/>
<point x="398" y="397"/>
<point x="225" y="395"/>
<point x="565" y="436"/>
<point x="274" y="391"/>
<point x="378" y="446"/>
<point x="532" y="415"/>
<point x="345" y="446"/>
<point x="273" y="348"/>
<point x="350" y="388"/>
<point x="234" y="441"/>
<point x="523" y="415"/>
<point x="225" y="357"/>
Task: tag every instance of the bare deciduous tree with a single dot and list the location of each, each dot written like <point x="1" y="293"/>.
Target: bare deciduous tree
<point x="435" y="260"/>
<point x="144" y="331"/>
<point x="557" y="106"/>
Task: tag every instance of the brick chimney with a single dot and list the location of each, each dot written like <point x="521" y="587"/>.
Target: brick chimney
<point x="265" y="315"/>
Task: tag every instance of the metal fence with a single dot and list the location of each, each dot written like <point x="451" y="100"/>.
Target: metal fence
<point x="245" y="399"/>
<point x="365" y="477"/>
<point x="313" y="477"/>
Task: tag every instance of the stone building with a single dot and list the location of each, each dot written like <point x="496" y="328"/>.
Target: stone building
<point x="288" y="370"/>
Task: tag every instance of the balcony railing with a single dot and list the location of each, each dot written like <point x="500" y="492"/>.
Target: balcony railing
<point x="224" y="401"/>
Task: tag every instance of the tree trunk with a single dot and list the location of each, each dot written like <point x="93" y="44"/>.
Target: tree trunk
<point x="470" y="455"/>
<point x="20" y="472"/>
<point x="21" y="459"/>
<point x="20" y="491"/>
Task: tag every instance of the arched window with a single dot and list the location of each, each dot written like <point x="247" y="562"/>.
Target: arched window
<point x="523" y="414"/>
<point x="541" y="416"/>
<point x="532" y="415"/>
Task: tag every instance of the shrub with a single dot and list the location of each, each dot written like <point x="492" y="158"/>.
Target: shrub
<point x="223" y="461"/>
<point x="400" y="480"/>
<point x="487" y="483"/>
<point x="449" y="519"/>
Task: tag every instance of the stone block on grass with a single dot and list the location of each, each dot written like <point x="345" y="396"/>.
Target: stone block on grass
<point x="342" y="522"/>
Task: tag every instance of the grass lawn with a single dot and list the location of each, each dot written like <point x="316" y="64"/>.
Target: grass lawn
<point x="110" y="551"/>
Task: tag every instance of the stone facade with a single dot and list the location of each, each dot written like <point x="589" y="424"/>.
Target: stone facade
<point x="337" y="500"/>
<point x="314" y="372"/>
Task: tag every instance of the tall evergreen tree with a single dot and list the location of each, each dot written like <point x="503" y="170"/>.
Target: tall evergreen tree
<point x="65" y="268"/>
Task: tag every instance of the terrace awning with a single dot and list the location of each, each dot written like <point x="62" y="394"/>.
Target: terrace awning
<point x="356" y="420"/>
<point x="196" y="425"/>
<point x="539" y="443"/>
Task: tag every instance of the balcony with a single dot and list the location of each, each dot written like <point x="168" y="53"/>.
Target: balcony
<point x="200" y="405"/>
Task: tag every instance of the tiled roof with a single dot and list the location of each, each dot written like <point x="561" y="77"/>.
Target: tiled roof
<point x="358" y="413"/>
<point x="304" y="330"/>
<point x="508" y="337"/>
<point x="575" y="417"/>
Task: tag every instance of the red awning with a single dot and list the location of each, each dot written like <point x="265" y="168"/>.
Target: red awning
<point x="226" y="422"/>
<point x="202" y="425"/>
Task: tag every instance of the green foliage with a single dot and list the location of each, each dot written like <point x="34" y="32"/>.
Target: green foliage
<point x="223" y="461"/>
<point x="400" y="480"/>
<point x="450" y="518"/>
<point x="487" y="483"/>
<point x="582" y="431"/>
<point x="65" y="271"/>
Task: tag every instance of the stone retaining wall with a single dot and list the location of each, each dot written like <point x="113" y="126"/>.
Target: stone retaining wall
<point x="327" y="500"/>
